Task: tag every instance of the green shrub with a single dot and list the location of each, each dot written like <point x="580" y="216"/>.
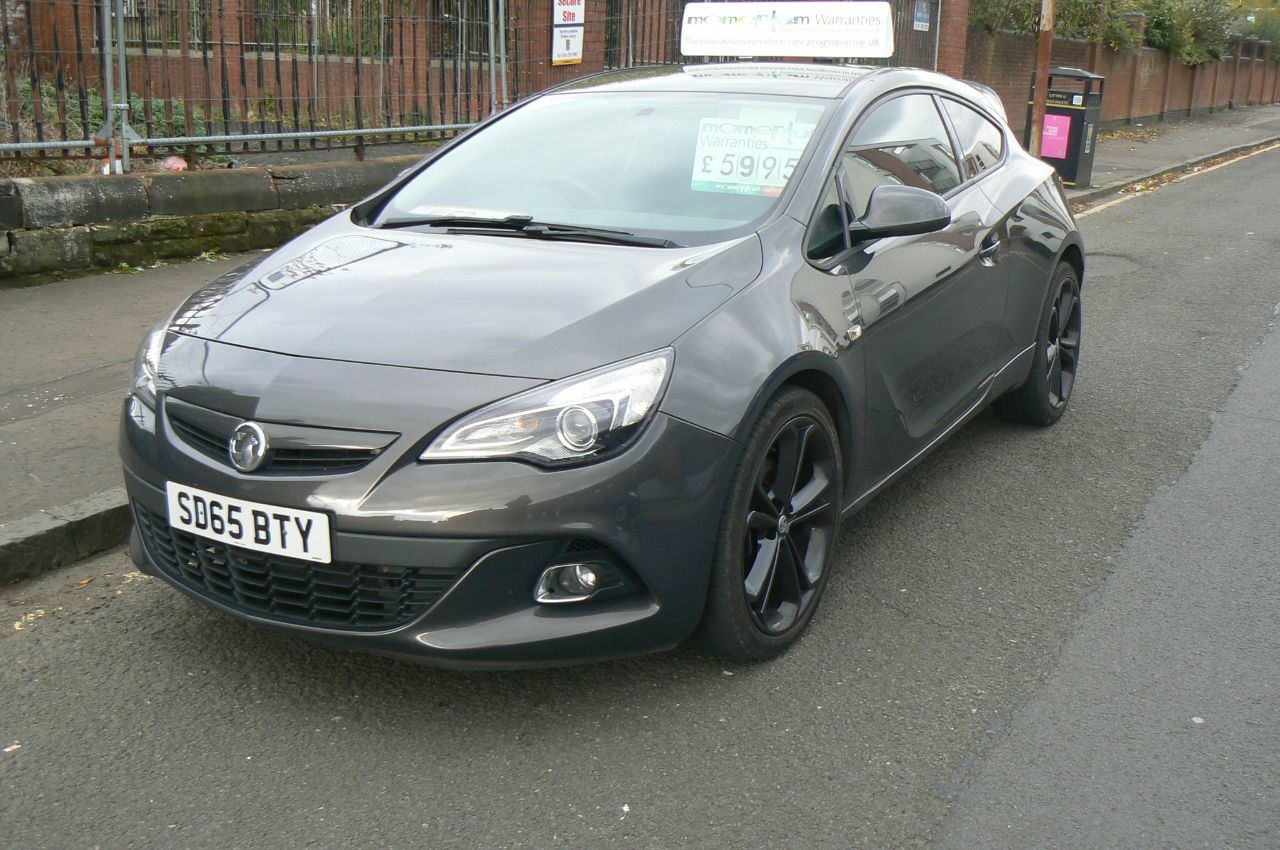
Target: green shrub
<point x="1195" y="31"/>
<point x="77" y="127"/>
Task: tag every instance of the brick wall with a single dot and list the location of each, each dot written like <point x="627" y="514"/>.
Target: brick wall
<point x="952" y="40"/>
<point x="1006" y="62"/>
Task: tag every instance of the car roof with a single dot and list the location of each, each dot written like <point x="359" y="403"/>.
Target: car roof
<point x="797" y="79"/>
<point x="786" y="78"/>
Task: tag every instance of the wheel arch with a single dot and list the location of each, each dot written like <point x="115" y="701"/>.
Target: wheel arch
<point x="1072" y="253"/>
<point x="819" y="374"/>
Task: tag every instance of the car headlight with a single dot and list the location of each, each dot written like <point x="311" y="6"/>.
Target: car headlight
<point x="146" y="367"/>
<point x="583" y="417"/>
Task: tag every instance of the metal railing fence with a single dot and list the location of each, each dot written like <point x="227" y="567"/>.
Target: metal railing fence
<point x="234" y="76"/>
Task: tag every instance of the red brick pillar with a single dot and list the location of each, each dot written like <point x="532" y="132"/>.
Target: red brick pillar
<point x="1168" y="84"/>
<point x="1275" y="73"/>
<point x="1237" y="51"/>
<point x="1139" y="22"/>
<point x="953" y="36"/>
<point x="1253" y="63"/>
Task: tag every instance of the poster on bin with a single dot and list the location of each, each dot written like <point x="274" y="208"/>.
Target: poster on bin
<point x="1053" y="141"/>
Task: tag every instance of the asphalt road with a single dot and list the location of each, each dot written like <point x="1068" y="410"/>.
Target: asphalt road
<point x="143" y="719"/>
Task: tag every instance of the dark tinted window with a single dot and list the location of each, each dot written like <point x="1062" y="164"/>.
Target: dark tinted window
<point x="829" y="233"/>
<point x="981" y="142"/>
<point x="902" y="142"/>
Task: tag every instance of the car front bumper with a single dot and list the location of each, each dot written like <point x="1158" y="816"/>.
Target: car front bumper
<point x="487" y="530"/>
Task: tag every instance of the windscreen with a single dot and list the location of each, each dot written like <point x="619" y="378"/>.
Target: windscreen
<point x="689" y="167"/>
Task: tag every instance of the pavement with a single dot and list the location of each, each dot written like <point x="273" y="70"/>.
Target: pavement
<point x="1014" y="649"/>
<point x="66" y="355"/>
<point x="59" y="403"/>
<point x="1140" y="151"/>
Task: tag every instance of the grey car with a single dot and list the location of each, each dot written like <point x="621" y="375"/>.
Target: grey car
<point x="608" y="371"/>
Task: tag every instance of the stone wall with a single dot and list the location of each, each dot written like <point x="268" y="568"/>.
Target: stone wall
<point x="50" y="225"/>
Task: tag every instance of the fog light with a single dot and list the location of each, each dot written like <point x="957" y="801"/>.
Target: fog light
<point x="577" y="579"/>
<point x="567" y="583"/>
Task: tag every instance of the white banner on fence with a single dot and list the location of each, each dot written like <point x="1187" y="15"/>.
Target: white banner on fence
<point x="862" y="30"/>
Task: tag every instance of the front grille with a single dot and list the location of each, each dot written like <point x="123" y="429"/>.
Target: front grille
<point x="349" y="597"/>
<point x="199" y="438"/>
<point x="318" y="461"/>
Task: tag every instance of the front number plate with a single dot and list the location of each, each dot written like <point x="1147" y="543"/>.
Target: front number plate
<point x="249" y="525"/>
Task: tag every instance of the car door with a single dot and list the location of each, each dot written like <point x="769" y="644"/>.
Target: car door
<point x="930" y="307"/>
<point x="981" y="144"/>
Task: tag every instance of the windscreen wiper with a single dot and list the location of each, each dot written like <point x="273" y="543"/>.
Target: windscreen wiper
<point x="578" y="233"/>
<point x="524" y="225"/>
<point x="514" y="222"/>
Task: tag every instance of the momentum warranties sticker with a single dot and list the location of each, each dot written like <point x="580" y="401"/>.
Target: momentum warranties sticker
<point x="851" y="30"/>
<point x="753" y="154"/>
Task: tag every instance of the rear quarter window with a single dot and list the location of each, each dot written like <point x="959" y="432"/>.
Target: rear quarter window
<point x="981" y="141"/>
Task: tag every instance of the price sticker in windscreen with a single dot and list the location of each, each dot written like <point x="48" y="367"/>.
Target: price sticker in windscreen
<point x="753" y="154"/>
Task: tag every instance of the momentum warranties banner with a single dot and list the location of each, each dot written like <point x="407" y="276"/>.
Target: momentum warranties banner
<point x="828" y="29"/>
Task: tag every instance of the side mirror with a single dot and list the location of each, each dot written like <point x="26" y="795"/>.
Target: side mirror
<point x="901" y="211"/>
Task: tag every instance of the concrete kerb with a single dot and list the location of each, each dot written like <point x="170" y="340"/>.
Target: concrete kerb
<point x="62" y="536"/>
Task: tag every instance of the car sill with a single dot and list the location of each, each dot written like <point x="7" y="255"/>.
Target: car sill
<point x="969" y="413"/>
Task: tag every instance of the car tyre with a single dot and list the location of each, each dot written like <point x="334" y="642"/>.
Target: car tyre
<point x="1042" y="398"/>
<point x="778" y="531"/>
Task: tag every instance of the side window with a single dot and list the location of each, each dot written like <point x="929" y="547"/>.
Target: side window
<point x="902" y="142"/>
<point x="981" y="142"/>
<point x="829" y="233"/>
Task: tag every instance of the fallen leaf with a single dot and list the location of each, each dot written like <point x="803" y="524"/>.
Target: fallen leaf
<point x="82" y="582"/>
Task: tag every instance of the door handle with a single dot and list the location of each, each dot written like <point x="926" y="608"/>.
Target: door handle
<point x="987" y="251"/>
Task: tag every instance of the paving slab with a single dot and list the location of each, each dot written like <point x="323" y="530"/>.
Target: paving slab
<point x="66" y="353"/>
<point x="1134" y="152"/>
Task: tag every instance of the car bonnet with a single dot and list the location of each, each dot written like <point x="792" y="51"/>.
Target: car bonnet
<point x="513" y="306"/>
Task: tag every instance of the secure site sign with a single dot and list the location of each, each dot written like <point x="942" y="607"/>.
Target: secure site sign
<point x="568" y="23"/>
<point x="855" y="30"/>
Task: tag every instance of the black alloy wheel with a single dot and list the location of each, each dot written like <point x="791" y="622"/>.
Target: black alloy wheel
<point x="1062" y="351"/>
<point x="778" y="534"/>
<point x="789" y="526"/>
<point x="1055" y="363"/>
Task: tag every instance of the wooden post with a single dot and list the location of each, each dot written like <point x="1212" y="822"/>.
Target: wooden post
<point x="1044" y="58"/>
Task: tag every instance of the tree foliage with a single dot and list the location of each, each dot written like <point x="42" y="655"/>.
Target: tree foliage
<point x="1266" y="26"/>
